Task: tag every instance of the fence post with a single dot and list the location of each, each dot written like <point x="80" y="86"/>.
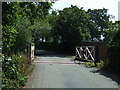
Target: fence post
<point x="96" y="54"/>
<point x="32" y="51"/>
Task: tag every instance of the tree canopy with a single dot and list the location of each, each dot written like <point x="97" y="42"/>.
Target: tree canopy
<point x="72" y="26"/>
<point x="67" y="28"/>
<point x="18" y="17"/>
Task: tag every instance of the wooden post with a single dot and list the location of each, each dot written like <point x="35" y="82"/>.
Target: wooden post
<point x="32" y="49"/>
<point x="96" y="55"/>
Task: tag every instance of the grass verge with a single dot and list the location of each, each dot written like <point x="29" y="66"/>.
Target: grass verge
<point x="100" y="64"/>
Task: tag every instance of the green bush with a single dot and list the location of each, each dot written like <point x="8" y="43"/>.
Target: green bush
<point x="8" y="39"/>
<point x="113" y="44"/>
<point x="12" y="74"/>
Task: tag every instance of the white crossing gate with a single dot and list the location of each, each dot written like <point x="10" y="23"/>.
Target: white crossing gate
<point x="85" y="53"/>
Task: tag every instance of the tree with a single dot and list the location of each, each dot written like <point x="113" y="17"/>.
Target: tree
<point x="9" y="13"/>
<point x="17" y="19"/>
<point x="14" y="24"/>
<point x="35" y="10"/>
<point x="113" y="46"/>
<point x="99" y="20"/>
<point x="24" y="35"/>
<point x="21" y="15"/>
<point x="71" y="27"/>
<point x="41" y="30"/>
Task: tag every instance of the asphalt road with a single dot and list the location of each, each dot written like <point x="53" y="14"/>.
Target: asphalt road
<point x="55" y="71"/>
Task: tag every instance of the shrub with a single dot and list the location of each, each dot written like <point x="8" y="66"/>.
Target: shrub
<point x="113" y="44"/>
<point x="12" y="74"/>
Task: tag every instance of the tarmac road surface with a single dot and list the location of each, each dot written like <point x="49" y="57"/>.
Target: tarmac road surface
<point x="57" y="71"/>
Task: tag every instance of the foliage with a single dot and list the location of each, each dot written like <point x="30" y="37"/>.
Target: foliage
<point x="27" y="22"/>
<point x="89" y="64"/>
<point x="24" y="35"/>
<point x="12" y="76"/>
<point x="18" y="17"/>
<point x="31" y="10"/>
<point x="9" y="37"/>
<point x="52" y="18"/>
<point x="70" y="27"/>
<point x="41" y="28"/>
<point x="15" y="39"/>
<point x="99" y="20"/>
<point x="113" y="39"/>
<point x="9" y="13"/>
<point x="113" y="45"/>
<point x="100" y="64"/>
<point x="74" y="25"/>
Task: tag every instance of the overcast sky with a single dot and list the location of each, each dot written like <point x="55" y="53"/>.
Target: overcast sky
<point x="112" y="5"/>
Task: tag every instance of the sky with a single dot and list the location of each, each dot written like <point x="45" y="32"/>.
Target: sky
<point x="111" y="5"/>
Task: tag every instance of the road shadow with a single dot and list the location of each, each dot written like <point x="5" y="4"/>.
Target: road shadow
<point x="107" y="74"/>
<point x="45" y="53"/>
<point x="80" y="61"/>
<point x="103" y="71"/>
